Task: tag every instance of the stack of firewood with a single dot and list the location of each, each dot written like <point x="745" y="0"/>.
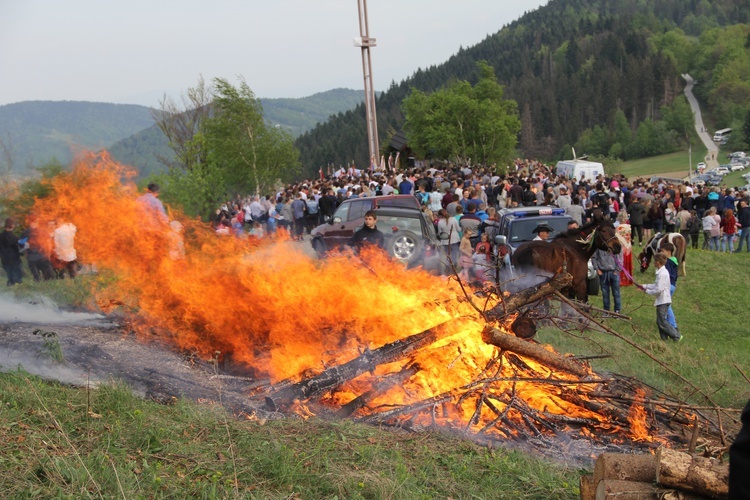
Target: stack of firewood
<point x="669" y="474"/>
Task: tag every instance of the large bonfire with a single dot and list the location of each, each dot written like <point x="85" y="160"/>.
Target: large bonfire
<point x="286" y="318"/>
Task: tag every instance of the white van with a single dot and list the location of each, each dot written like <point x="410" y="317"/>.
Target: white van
<point x="579" y="169"/>
<point x="722" y="136"/>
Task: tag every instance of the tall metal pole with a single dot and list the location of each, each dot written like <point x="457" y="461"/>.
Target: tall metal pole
<point x="365" y="42"/>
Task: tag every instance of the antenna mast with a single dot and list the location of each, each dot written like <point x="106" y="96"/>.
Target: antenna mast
<point x="365" y="42"/>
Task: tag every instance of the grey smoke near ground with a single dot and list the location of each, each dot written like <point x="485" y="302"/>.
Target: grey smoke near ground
<point x="40" y="309"/>
<point x="29" y="353"/>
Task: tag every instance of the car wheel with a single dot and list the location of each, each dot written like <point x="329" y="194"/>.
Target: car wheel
<point x="405" y="246"/>
<point x="320" y="248"/>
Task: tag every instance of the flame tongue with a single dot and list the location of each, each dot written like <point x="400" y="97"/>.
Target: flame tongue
<point x="286" y="316"/>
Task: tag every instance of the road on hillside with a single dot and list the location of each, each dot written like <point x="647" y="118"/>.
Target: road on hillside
<point x="713" y="150"/>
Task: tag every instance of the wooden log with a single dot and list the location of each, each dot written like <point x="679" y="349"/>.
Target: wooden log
<point x="533" y="350"/>
<point x="587" y="487"/>
<point x="530" y="295"/>
<point x="368" y="361"/>
<point x="623" y="467"/>
<point x="378" y="388"/>
<point x="614" y="489"/>
<point x="704" y="476"/>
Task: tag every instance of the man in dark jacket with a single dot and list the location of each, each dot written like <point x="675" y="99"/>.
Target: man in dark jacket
<point x="368" y="235"/>
<point x="10" y="253"/>
<point x="743" y="219"/>
<point x="327" y="205"/>
<point x="636" y="211"/>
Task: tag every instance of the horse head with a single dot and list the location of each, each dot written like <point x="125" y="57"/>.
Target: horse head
<point x="645" y="259"/>
<point x="605" y="237"/>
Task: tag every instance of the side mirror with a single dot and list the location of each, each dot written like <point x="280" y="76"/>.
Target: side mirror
<point x="501" y="239"/>
<point x="336" y="220"/>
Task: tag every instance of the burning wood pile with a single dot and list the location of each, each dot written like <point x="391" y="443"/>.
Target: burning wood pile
<point x="523" y="392"/>
<point x="358" y="337"/>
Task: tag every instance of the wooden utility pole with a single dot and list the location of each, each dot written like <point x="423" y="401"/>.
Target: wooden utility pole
<point x="365" y="42"/>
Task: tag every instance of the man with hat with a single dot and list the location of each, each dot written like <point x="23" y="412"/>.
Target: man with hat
<point x="542" y="232"/>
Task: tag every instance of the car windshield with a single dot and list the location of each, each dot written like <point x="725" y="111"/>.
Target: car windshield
<point x="521" y="230"/>
<point x="390" y="223"/>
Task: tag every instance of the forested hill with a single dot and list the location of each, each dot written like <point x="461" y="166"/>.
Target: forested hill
<point x="570" y="65"/>
<point x="34" y="132"/>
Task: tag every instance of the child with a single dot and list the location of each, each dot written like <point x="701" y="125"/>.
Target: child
<point x="672" y="266"/>
<point x="663" y="299"/>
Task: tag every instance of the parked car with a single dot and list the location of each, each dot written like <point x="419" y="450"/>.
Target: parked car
<point x="707" y="179"/>
<point x="746" y="177"/>
<point x="735" y="167"/>
<point x="409" y="235"/>
<point x="736" y="154"/>
<point x="700" y="166"/>
<point x="720" y="170"/>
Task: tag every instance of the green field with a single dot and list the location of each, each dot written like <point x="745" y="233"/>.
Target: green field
<point x="61" y="441"/>
<point x="673" y="165"/>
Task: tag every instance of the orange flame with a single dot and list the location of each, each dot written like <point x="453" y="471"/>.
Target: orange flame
<point x="277" y="311"/>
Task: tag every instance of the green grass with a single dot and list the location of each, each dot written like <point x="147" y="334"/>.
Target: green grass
<point x="64" y="442"/>
<point x="672" y="162"/>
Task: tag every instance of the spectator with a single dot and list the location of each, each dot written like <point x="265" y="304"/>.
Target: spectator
<point x="64" y="257"/>
<point x="636" y="212"/>
<point x="608" y="270"/>
<point x="368" y="234"/>
<point x="743" y="218"/>
<point x="729" y="230"/>
<point x="660" y="289"/>
<point x="10" y="253"/>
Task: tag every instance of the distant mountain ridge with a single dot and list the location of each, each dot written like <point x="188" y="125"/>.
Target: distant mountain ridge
<point x="38" y="131"/>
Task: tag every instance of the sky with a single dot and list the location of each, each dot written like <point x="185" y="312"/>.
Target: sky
<point x="135" y="51"/>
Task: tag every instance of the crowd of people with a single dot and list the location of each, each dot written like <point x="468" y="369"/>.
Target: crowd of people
<point x="464" y="200"/>
<point x="50" y="251"/>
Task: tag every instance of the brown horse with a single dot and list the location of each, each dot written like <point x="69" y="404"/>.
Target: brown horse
<point x="570" y="252"/>
<point x="656" y="243"/>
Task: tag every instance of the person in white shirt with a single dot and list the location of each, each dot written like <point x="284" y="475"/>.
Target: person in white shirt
<point x="663" y="299"/>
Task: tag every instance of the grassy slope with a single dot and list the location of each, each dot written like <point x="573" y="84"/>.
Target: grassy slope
<point x="675" y="165"/>
<point x="60" y="441"/>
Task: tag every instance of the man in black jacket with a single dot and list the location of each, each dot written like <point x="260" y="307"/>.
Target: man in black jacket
<point x="743" y="218"/>
<point x="368" y="235"/>
<point x="10" y="253"/>
<point x="327" y="205"/>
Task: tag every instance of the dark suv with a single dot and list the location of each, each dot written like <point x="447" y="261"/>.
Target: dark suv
<point x="517" y="224"/>
<point x="409" y="235"/>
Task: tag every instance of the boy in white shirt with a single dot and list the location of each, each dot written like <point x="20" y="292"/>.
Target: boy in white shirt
<point x="663" y="299"/>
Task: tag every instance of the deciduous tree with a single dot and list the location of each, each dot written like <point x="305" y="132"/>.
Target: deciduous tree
<point x="463" y="123"/>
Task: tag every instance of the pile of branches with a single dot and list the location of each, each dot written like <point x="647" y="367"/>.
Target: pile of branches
<point x="514" y="419"/>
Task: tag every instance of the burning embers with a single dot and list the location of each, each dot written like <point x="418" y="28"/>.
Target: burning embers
<point x="356" y="337"/>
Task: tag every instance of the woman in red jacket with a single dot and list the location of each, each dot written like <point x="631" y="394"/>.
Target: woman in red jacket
<point x="728" y="230"/>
